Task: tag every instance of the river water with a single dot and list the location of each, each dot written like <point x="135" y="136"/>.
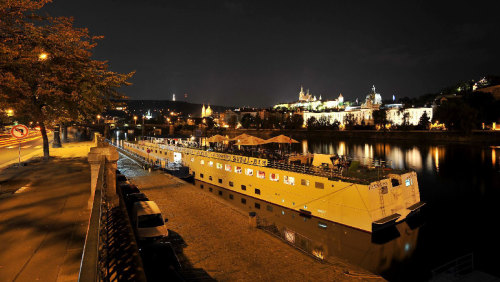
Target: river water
<point x="460" y="184"/>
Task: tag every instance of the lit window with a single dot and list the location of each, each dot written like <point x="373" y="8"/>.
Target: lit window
<point x="202" y="162"/>
<point x="289" y="180"/>
<point x="219" y="166"/>
<point x="274" y="177"/>
<point x="319" y="185"/>
<point x="408" y="182"/>
<point x="249" y="172"/>
<point x="237" y="169"/>
<point x="210" y="163"/>
<point x="261" y="174"/>
<point x="228" y="167"/>
<point x="304" y="182"/>
<point x="192" y="159"/>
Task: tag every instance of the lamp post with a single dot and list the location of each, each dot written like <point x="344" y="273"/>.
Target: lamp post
<point x="135" y="120"/>
<point x="98" y="118"/>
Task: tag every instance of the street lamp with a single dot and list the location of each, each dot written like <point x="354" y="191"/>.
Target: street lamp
<point x="98" y="118"/>
<point x="43" y="56"/>
<point x="135" y="120"/>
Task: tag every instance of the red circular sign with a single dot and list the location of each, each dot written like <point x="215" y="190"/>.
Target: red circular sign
<point x="19" y="131"/>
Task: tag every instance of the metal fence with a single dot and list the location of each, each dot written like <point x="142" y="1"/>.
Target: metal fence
<point x="90" y="267"/>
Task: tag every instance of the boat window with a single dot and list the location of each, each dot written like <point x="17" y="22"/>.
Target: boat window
<point x="243" y="187"/>
<point x="395" y="182"/>
<point x="408" y="182"/>
<point x="304" y="182"/>
<point x="210" y="189"/>
<point x="202" y="162"/>
<point x="192" y="159"/>
<point x="231" y="196"/>
<point x="249" y="172"/>
<point x="220" y="180"/>
<point x="220" y="193"/>
<point x="274" y="177"/>
<point x="319" y="185"/>
<point x="257" y="191"/>
<point x="201" y="186"/>
<point x="219" y="166"/>
<point x="228" y="167"/>
<point x="231" y="183"/>
<point x="210" y="178"/>
<point x="237" y="169"/>
<point x="243" y="200"/>
<point x="257" y="206"/>
<point x="201" y="175"/>
<point x="289" y="180"/>
<point x="261" y="174"/>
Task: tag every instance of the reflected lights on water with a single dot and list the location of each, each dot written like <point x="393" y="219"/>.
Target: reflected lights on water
<point x="493" y="157"/>
<point x="414" y="159"/>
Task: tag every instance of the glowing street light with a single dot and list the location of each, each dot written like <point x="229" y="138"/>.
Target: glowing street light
<point x="135" y="120"/>
<point x="98" y="118"/>
<point x="43" y="56"/>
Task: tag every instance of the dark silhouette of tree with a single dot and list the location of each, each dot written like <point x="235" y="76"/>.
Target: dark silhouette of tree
<point x="456" y="115"/>
<point x="46" y="69"/>
<point x="247" y="120"/>
<point x="424" y="121"/>
<point x="311" y="123"/>
<point x="380" y="117"/>
<point x="233" y="121"/>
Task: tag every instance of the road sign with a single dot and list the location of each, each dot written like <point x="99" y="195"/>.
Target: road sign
<point x="19" y="131"/>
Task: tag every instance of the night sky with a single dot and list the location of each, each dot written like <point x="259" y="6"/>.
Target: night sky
<point x="258" y="53"/>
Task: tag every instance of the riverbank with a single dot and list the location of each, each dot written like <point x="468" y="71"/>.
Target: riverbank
<point x="219" y="239"/>
<point x="481" y="137"/>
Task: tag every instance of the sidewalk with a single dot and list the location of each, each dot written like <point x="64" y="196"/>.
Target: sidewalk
<point x="44" y="216"/>
<point x="219" y="240"/>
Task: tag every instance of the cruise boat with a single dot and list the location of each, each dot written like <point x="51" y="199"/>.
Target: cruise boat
<point x="365" y="197"/>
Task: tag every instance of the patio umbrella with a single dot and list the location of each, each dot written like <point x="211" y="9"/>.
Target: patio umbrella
<point x="217" y="139"/>
<point x="239" y="137"/>
<point x="281" y="139"/>
<point x="250" y="141"/>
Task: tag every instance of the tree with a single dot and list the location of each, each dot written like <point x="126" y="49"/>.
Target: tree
<point x="424" y="121"/>
<point x="457" y="115"/>
<point x="46" y="70"/>
<point x="380" y="117"/>
<point x="233" y="121"/>
<point x="247" y="120"/>
<point x="311" y="123"/>
<point x="349" y="121"/>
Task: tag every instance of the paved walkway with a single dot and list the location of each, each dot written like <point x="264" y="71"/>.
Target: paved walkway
<point x="219" y="240"/>
<point x="44" y="216"/>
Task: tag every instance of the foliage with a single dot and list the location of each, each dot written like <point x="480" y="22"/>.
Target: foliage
<point x="65" y="84"/>
<point x="457" y="115"/>
<point x="294" y="122"/>
<point x="247" y="120"/>
<point x="233" y="121"/>
<point x="380" y="117"/>
<point x="424" y="121"/>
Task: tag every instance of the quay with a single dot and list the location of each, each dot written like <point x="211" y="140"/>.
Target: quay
<point x="219" y="239"/>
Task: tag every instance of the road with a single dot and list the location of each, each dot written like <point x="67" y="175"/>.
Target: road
<point x="9" y="146"/>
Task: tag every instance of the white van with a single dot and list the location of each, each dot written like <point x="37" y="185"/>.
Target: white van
<point x="148" y="221"/>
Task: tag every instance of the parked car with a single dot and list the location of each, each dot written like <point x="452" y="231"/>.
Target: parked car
<point x="131" y="199"/>
<point x="148" y="222"/>
<point x="160" y="262"/>
<point x="128" y="189"/>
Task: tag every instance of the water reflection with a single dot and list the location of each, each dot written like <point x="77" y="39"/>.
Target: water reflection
<point x="325" y="239"/>
<point x="418" y="158"/>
